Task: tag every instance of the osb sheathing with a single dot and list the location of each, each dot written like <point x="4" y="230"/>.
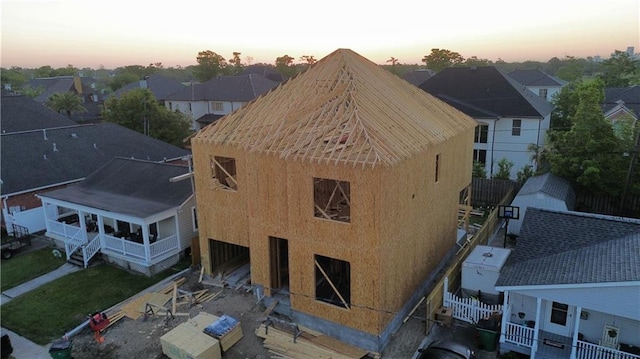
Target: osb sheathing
<point x="344" y="119"/>
<point x="402" y="223"/>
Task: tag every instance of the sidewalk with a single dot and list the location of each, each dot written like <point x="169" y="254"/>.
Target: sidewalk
<point x="23" y="348"/>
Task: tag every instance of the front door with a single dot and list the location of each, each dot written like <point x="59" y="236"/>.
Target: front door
<point x="559" y="318"/>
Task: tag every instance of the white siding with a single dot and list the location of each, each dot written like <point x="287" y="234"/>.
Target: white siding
<point x="185" y="224"/>
<point x="514" y="148"/>
<point x="537" y="200"/>
<point x="614" y="300"/>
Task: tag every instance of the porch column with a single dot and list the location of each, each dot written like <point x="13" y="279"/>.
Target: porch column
<point x="101" y="233"/>
<point x="536" y="328"/>
<point x="177" y="229"/>
<point x="83" y="226"/>
<point x="574" y="341"/>
<point x="506" y="312"/>
<point x="145" y="241"/>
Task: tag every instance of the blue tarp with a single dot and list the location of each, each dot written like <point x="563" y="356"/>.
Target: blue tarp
<point x="221" y="326"/>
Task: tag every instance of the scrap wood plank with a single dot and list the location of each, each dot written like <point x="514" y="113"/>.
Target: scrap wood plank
<point x="174" y="303"/>
<point x="413" y="310"/>
<point x="268" y="311"/>
<point x="115" y="317"/>
<point x="201" y="274"/>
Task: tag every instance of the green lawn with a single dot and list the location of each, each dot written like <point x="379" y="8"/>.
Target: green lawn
<point x="26" y="266"/>
<point x="48" y="312"/>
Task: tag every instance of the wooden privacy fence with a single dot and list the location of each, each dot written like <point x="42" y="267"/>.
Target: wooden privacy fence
<point x="452" y="276"/>
<point x="490" y="192"/>
<point x="469" y="310"/>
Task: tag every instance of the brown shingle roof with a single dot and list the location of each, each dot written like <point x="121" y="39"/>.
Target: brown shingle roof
<point x="343" y="109"/>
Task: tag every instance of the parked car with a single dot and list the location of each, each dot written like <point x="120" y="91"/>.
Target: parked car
<point x="446" y="349"/>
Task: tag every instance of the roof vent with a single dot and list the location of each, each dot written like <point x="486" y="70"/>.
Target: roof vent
<point x="74" y="135"/>
<point x="487" y="254"/>
<point x="95" y="146"/>
<point x="55" y="148"/>
<point x="44" y="132"/>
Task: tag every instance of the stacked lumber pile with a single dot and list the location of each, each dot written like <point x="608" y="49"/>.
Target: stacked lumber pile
<point x="308" y="345"/>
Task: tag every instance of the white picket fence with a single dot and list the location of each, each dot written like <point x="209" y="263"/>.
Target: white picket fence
<point x="469" y="310"/>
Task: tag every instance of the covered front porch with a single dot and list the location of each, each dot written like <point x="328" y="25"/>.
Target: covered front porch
<point x="545" y="328"/>
<point x="136" y="242"/>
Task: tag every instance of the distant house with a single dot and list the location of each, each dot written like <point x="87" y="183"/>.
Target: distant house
<point x="340" y="190"/>
<point x="417" y="76"/>
<point x="572" y="287"/>
<point x="510" y="117"/>
<point x="47" y="156"/>
<point x="267" y="71"/>
<point x="206" y="102"/>
<point x="133" y="212"/>
<point x="621" y="102"/>
<point x="546" y="191"/>
<point x="538" y="82"/>
<point x="22" y="113"/>
<point x="84" y="87"/>
<point x="160" y="86"/>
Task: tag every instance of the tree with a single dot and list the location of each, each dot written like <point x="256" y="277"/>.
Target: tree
<point x="504" y="169"/>
<point x="441" y="59"/>
<point x="393" y="62"/>
<point x="237" y="64"/>
<point x="284" y="65"/>
<point x="210" y="65"/>
<point x="478" y="170"/>
<point x="66" y="102"/>
<point x="524" y="174"/>
<point x="139" y="110"/>
<point x="13" y="77"/>
<point x="475" y="61"/>
<point x="619" y="69"/>
<point x="589" y="154"/>
<point x="572" y="70"/>
<point x="309" y="59"/>
<point x="70" y="70"/>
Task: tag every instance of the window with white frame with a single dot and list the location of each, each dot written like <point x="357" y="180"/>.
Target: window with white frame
<point x="516" y="127"/>
<point x="482" y="133"/>
<point x="543" y="93"/>
<point x="217" y="106"/>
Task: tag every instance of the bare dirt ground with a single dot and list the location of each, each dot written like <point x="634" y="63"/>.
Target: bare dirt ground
<point x="140" y="338"/>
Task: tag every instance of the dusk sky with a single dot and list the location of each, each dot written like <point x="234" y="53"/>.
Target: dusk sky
<point x="116" y="33"/>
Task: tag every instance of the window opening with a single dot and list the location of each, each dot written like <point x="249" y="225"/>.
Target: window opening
<point x="516" y="127"/>
<point x="333" y="281"/>
<point x="217" y="106"/>
<point x="542" y="93"/>
<point x="480" y="156"/>
<point x="224" y="171"/>
<point x="194" y="216"/>
<point x="482" y="133"/>
<point x="332" y="199"/>
<point x="437" y="166"/>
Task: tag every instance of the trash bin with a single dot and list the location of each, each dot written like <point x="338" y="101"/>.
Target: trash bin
<point x="6" y="347"/>
<point x="488" y="334"/>
<point x="61" y="349"/>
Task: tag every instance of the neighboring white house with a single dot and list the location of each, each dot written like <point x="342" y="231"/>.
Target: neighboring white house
<point x="538" y="82"/>
<point x="510" y="118"/>
<point x="572" y="287"/>
<point x="546" y="191"/>
<point x="140" y="215"/>
<point x="206" y="102"/>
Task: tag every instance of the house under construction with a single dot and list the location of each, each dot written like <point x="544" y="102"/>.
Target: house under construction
<point x="341" y="188"/>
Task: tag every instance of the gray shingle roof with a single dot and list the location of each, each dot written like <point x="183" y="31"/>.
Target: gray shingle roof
<point x="418" y="76"/>
<point x="43" y="158"/>
<point x="242" y="88"/>
<point x="133" y="187"/>
<point x="485" y="91"/>
<point x="573" y="248"/>
<point x="160" y="86"/>
<point x="551" y="185"/>
<point x="629" y="95"/>
<point x="22" y="113"/>
<point x="536" y="78"/>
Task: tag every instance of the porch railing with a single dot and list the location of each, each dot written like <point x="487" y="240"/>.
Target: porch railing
<point x="163" y="246"/>
<point x="468" y="309"/>
<point x="137" y="250"/>
<point x="519" y="334"/>
<point x="124" y="247"/>
<point x="90" y="250"/>
<point x="586" y="350"/>
<point x="63" y="229"/>
<point x="71" y="244"/>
